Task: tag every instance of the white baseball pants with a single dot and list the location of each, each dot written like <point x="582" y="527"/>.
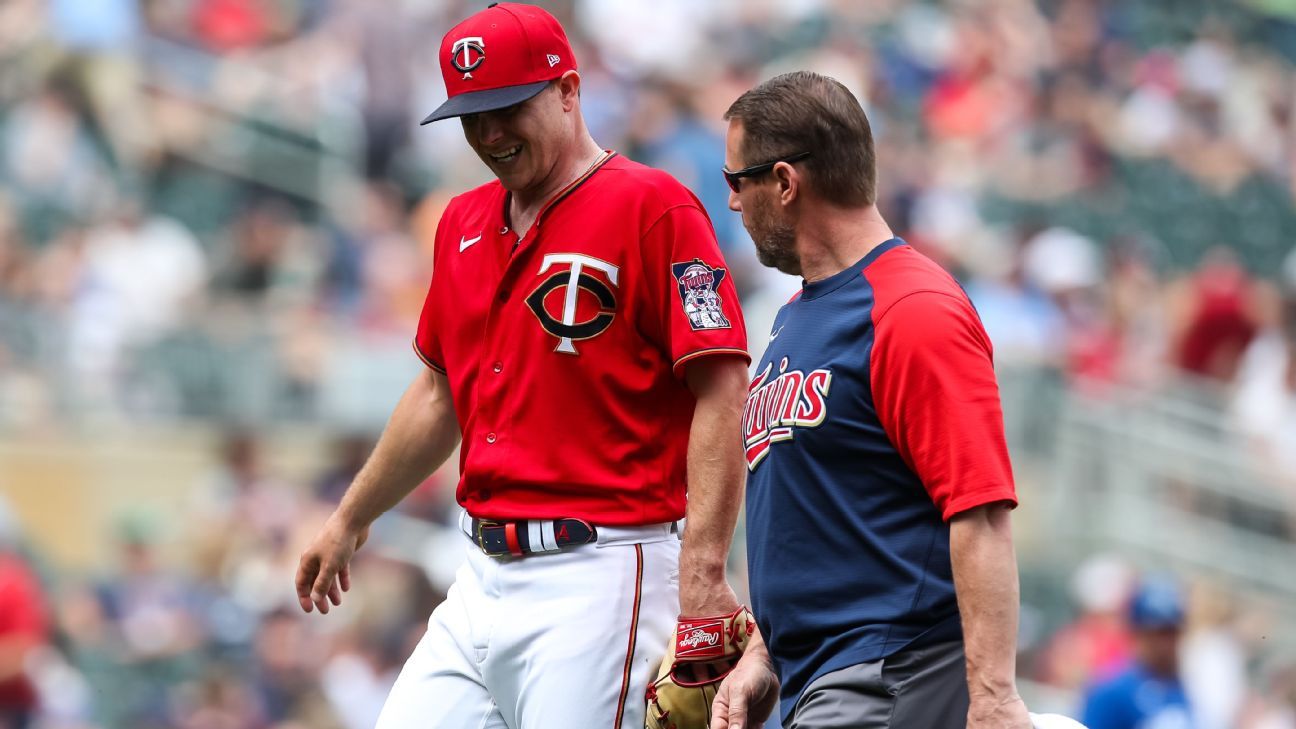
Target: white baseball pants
<point x="570" y="639"/>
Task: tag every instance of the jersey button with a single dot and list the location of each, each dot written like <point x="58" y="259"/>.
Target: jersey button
<point x="503" y="295"/>
<point x="490" y="437"/>
<point x="499" y="367"/>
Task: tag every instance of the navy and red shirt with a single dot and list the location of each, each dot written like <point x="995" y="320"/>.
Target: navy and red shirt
<point x="873" y="419"/>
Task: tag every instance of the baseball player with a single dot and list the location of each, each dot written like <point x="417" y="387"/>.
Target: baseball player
<point x="883" y="577"/>
<point x="585" y="397"/>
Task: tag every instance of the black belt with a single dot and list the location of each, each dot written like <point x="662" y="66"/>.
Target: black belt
<point x="498" y="538"/>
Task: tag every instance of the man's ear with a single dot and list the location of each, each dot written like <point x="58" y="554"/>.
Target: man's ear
<point x="569" y="89"/>
<point x="789" y="181"/>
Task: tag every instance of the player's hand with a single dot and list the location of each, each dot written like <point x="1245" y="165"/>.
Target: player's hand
<point x="999" y="713"/>
<point x="324" y="572"/>
<point x="748" y="694"/>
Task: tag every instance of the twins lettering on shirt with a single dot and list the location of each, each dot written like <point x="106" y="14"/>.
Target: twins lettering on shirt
<point x="775" y="407"/>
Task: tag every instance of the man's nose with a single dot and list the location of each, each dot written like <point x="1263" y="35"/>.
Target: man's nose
<point x="490" y="129"/>
<point x="734" y="203"/>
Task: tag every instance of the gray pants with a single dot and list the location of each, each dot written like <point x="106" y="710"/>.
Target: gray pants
<point x="924" y="688"/>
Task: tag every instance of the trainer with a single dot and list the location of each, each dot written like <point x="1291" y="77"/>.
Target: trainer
<point x="882" y="569"/>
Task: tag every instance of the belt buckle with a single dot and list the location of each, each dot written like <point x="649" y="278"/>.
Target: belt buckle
<point x="481" y="540"/>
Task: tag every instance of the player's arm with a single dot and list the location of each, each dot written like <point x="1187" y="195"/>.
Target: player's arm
<point x="420" y="435"/>
<point x="715" y="483"/>
<point x="985" y="580"/>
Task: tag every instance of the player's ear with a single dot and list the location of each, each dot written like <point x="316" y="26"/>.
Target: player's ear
<point x="568" y="89"/>
<point x="789" y="182"/>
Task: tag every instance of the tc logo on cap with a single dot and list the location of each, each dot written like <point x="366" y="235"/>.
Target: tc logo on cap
<point x="467" y="54"/>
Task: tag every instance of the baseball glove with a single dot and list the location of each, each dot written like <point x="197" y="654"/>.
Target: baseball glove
<point x="702" y="653"/>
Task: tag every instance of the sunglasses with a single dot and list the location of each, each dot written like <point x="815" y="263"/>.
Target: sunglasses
<point x="735" y="178"/>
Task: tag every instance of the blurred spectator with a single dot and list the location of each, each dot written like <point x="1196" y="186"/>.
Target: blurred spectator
<point x="228" y="25"/>
<point x="286" y="662"/>
<point x="385" y="46"/>
<point x="1264" y="405"/>
<point x="270" y="256"/>
<point x="1278" y="709"/>
<point x="1098" y="643"/>
<point x="1022" y="320"/>
<point x="349" y="453"/>
<point x="222" y="699"/>
<point x="50" y="163"/>
<point x="1149" y="694"/>
<point x="101" y="41"/>
<point x="1135" y="312"/>
<point x="357" y="679"/>
<point x="1214" y="658"/>
<point x="1214" y="317"/>
<point x="392" y="276"/>
<point x="153" y="620"/>
<point x="141" y="273"/>
<point x="23" y="628"/>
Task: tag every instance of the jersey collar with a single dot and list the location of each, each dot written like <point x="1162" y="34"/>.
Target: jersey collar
<point x="558" y="197"/>
<point x="824" y="286"/>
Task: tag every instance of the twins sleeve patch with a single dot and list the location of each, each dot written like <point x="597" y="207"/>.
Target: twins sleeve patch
<point x="700" y="640"/>
<point x="699" y="287"/>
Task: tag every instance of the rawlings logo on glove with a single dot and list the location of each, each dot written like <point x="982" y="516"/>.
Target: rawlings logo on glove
<point x="695" y="640"/>
<point x="703" y="652"/>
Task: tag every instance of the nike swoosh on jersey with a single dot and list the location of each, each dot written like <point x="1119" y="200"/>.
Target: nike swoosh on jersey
<point x="465" y="242"/>
<point x="776" y="333"/>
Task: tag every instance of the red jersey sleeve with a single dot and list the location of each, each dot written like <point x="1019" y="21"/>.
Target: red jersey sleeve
<point x="427" y="338"/>
<point x="693" y="299"/>
<point x="935" y="392"/>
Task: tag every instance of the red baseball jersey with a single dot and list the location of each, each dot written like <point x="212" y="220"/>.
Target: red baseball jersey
<point x="565" y="353"/>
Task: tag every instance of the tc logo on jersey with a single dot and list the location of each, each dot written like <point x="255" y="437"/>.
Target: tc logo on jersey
<point x="794" y="399"/>
<point x="574" y="280"/>
<point x="699" y="287"/>
<point x="467" y="54"/>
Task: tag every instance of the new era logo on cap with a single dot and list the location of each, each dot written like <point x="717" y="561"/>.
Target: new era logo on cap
<point x="528" y="49"/>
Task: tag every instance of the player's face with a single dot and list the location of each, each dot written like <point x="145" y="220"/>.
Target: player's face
<point x="520" y="143"/>
<point x="762" y="216"/>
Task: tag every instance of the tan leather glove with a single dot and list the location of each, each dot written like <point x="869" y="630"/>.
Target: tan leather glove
<point x="703" y="652"/>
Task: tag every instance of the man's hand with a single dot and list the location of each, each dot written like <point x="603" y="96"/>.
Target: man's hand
<point x="748" y="694"/>
<point x="324" y="572"/>
<point x="999" y="713"/>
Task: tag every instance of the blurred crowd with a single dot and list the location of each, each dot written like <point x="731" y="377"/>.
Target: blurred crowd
<point x="223" y="209"/>
<point x="1149" y="651"/>
<point x="195" y="625"/>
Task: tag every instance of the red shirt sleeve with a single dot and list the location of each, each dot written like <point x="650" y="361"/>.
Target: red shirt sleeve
<point x="935" y="392"/>
<point x="427" y="338"/>
<point x="694" y="300"/>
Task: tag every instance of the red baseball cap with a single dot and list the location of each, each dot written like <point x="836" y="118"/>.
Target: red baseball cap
<point x="499" y="57"/>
